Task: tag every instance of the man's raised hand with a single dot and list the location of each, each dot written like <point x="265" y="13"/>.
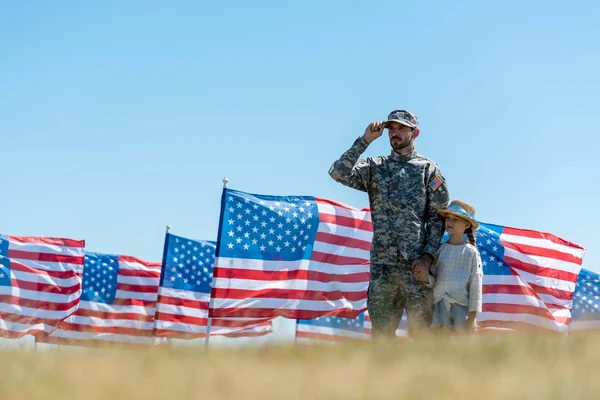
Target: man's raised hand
<point x="373" y="131"/>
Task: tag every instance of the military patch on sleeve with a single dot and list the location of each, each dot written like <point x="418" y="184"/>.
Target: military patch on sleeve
<point x="436" y="183"/>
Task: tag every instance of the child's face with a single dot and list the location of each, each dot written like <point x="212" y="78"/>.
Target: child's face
<point x="456" y="224"/>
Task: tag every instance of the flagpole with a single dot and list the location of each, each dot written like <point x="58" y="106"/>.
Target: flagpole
<point x="211" y="302"/>
<point x="168" y="230"/>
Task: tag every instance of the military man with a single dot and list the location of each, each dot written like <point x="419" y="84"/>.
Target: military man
<point x="405" y="191"/>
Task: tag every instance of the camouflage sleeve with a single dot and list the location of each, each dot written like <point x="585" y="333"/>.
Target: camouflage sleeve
<point x="349" y="170"/>
<point x="437" y="197"/>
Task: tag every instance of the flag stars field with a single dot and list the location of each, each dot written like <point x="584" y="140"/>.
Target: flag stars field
<point x="283" y="227"/>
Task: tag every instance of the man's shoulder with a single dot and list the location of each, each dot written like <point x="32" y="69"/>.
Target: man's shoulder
<point x="421" y="159"/>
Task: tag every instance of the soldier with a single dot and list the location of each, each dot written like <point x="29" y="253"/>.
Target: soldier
<point x="405" y="191"/>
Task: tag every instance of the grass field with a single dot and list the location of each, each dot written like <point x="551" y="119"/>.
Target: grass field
<point x="500" y="367"/>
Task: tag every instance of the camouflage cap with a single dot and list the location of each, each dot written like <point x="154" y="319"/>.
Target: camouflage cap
<point x="403" y="117"/>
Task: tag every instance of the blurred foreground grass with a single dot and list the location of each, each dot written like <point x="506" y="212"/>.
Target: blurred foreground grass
<point x="495" y="367"/>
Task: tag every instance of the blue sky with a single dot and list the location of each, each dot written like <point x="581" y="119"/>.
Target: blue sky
<point x="118" y="118"/>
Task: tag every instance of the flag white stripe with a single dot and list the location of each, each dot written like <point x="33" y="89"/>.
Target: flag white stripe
<point x="341" y="250"/>
<point x="551" y="283"/>
<point x="107" y="308"/>
<point x="523" y="300"/>
<point x="36" y="312"/>
<point x="343" y="231"/>
<point x="542" y="243"/>
<point x="124" y="294"/>
<point x="134" y="280"/>
<point x="117" y="323"/>
<point x="110" y="337"/>
<point x="302" y="265"/>
<point x="135" y="266"/>
<point x="54" y="298"/>
<point x="45" y="248"/>
<point x="23" y="328"/>
<point x="544" y="262"/>
<point x="309" y="305"/>
<point x="77" y="269"/>
<point x="45" y="279"/>
<point x="181" y="310"/>
<point x="184" y="294"/>
<point x="291" y="284"/>
<point x="527" y="318"/>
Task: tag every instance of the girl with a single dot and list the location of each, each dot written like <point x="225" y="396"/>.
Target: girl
<point x="456" y="272"/>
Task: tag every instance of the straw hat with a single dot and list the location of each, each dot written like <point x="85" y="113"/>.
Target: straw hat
<point x="463" y="210"/>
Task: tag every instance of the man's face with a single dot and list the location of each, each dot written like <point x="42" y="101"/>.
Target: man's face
<point x="400" y="135"/>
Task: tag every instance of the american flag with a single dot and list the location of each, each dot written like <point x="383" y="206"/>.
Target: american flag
<point x="290" y="256"/>
<point x="528" y="278"/>
<point x="40" y="283"/>
<point x="331" y="329"/>
<point x="586" y="302"/>
<point x="118" y="303"/>
<point x="336" y="329"/>
<point x="184" y="295"/>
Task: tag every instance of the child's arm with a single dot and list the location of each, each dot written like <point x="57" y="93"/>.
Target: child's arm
<point x="431" y="282"/>
<point x="432" y="274"/>
<point x="475" y="289"/>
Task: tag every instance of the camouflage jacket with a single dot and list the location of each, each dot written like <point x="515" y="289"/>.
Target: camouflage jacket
<point x="405" y="192"/>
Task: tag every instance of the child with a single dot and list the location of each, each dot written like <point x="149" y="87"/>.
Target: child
<point x="456" y="272"/>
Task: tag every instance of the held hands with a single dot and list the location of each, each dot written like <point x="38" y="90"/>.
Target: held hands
<point x="420" y="268"/>
<point x="373" y="131"/>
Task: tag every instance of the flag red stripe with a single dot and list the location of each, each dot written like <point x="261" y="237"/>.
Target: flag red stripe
<point x="269" y="276"/>
<point x="17" y="266"/>
<point x="140" y="261"/>
<point x="45" y="257"/>
<point x="517" y="309"/>
<point x="114" y="315"/>
<point x="48" y="241"/>
<point x="314" y="295"/>
<point x="134" y="302"/>
<point x="91" y="343"/>
<point x="342" y="241"/>
<point x="18" y="335"/>
<point x="335" y="259"/>
<point x="139" y="273"/>
<point x="542" y="252"/>
<point x="517" y="325"/>
<point x="107" y="329"/>
<point x="181" y="302"/>
<point x="347" y="222"/>
<point x="137" y="288"/>
<point x="538" y="270"/>
<point x="558" y="293"/>
<point x="270" y="312"/>
<point x="516" y="290"/>
<point x="539" y="235"/>
<point x="39" y="305"/>
<point x="188" y="335"/>
<point x="185" y="319"/>
<point x="45" y="287"/>
<point x="27" y="320"/>
<point x="338" y="204"/>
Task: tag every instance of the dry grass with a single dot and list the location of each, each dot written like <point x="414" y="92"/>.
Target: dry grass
<point x="507" y="367"/>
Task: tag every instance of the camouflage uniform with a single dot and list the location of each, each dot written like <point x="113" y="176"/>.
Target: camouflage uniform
<point x="405" y="192"/>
